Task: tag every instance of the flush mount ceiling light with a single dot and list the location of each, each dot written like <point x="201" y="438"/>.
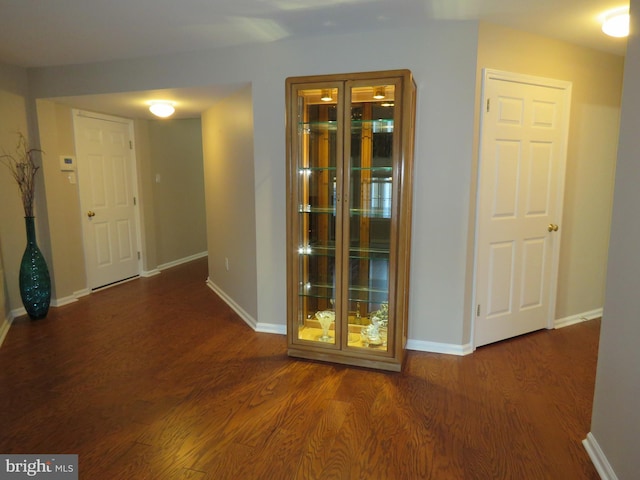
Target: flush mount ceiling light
<point x="325" y="96"/>
<point x="162" y="109"/>
<point x="378" y="93"/>
<point x="615" y="23"/>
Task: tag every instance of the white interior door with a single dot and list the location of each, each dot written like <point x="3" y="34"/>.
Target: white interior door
<point x="106" y="173"/>
<point x="524" y="129"/>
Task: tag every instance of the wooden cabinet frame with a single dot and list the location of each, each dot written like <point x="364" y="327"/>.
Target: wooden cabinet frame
<point x="342" y="204"/>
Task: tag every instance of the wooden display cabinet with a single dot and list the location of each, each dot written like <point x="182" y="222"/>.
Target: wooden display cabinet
<point x="349" y="181"/>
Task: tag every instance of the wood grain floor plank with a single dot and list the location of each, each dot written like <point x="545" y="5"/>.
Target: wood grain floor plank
<point x="158" y="378"/>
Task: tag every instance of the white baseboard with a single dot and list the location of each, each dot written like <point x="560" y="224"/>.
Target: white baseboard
<point x="180" y="261"/>
<point x="149" y="273"/>
<point x="274" y="328"/>
<point x="4" y="328"/>
<point x="248" y="319"/>
<point x="598" y="458"/>
<point x="59" y="302"/>
<point x="17" y="312"/>
<point x="580" y="317"/>
<point x="436" y="347"/>
<point x="82" y="293"/>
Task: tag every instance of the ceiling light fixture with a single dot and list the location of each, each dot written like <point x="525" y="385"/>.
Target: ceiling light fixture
<point x="616" y="22"/>
<point x="162" y="109"/>
<point x="378" y="93"/>
<point x="325" y="96"/>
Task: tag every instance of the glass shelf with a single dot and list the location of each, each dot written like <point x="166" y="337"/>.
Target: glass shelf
<point x="373" y="169"/>
<point x="379" y="125"/>
<point x="370" y="213"/>
<point x="326" y="291"/>
<point x="354" y="253"/>
<point x="310" y="209"/>
<point x="354" y="212"/>
<point x="317" y="127"/>
<point x="383" y="169"/>
<point x="309" y="170"/>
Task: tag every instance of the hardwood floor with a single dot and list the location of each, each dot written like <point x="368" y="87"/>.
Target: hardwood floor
<point x="159" y="379"/>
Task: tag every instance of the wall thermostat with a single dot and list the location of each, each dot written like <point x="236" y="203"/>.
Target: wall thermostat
<point x="67" y="163"/>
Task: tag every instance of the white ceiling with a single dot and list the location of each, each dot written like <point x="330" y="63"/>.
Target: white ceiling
<point x="36" y="33"/>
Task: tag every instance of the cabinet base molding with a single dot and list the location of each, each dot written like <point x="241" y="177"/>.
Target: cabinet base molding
<point x="391" y="366"/>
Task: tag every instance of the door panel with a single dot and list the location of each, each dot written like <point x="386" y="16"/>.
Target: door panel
<point x="106" y="179"/>
<point x="520" y="189"/>
<point x="500" y="278"/>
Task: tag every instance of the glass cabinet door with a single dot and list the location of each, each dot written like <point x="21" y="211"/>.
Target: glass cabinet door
<point x="370" y="205"/>
<point x="317" y="191"/>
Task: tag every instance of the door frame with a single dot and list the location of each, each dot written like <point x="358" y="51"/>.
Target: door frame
<point x="487" y="74"/>
<point x="134" y="187"/>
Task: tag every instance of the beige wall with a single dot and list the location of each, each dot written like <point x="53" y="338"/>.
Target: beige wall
<point x="175" y="149"/>
<point x="13" y="118"/>
<point x="230" y="197"/>
<point x="145" y="191"/>
<point x="163" y="206"/>
<point x="445" y="73"/>
<point x="615" y="421"/>
<point x="66" y="267"/>
<point x="591" y="156"/>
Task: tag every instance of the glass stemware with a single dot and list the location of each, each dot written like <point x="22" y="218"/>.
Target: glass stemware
<point x="325" y="318"/>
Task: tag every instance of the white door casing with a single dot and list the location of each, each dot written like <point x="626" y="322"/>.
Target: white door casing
<point x="106" y="180"/>
<point x="523" y="148"/>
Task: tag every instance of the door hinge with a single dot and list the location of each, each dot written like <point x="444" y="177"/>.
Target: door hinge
<point x="478" y="310"/>
<point x="138" y="255"/>
<point x="130" y="145"/>
<point x="488" y="104"/>
<point x="135" y="202"/>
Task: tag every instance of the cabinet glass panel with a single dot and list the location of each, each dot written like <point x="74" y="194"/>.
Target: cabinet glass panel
<point x="370" y="208"/>
<point x="316" y="190"/>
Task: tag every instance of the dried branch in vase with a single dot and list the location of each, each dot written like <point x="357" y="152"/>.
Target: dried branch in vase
<point x="23" y="169"/>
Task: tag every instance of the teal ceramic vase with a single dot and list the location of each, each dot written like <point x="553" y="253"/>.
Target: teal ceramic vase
<point x="35" y="283"/>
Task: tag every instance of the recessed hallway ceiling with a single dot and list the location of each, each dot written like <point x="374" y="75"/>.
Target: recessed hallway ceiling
<point x="36" y="33"/>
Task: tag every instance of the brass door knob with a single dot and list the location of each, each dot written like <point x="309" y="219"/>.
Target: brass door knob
<point x="552" y="227"/>
<point x="91" y="213"/>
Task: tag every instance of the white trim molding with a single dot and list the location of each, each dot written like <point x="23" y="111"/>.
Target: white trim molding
<point x="580" y="317"/>
<point x="59" y="302"/>
<point x="4" y="327"/>
<point x="82" y="293"/>
<point x="180" y="261"/>
<point x="437" y="347"/>
<point x="248" y="319"/>
<point x="274" y="328"/>
<point x="598" y="458"/>
<point x="150" y="273"/>
<point x="17" y="312"/>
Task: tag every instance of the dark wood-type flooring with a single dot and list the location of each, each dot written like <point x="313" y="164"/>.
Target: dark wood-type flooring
<point x="159" y="379"/>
